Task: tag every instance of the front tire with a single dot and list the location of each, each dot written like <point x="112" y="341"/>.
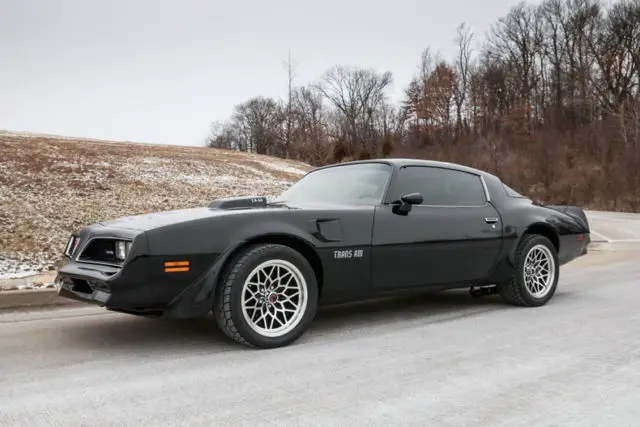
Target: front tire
<point x="268" y="296"/>
<point x="535" y="276"/>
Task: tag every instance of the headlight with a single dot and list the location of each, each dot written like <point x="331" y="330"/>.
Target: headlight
<point x="122" y="250"/>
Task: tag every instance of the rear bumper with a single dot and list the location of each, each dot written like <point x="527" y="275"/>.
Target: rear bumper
<point x="587" y="240"/>
<point x="573" y="246"/>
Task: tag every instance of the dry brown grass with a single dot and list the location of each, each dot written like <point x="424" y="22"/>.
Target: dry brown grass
<point x="50" y="186"/>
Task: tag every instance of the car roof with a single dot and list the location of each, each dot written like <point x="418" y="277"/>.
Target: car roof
<point x="400" y="162"/>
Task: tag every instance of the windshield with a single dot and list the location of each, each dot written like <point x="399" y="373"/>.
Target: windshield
<point x="362" y="183"/>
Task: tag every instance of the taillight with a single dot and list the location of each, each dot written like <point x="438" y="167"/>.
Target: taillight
<point x="580" y="237"/>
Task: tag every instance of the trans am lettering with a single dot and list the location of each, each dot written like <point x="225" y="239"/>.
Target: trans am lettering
<point x="349" y="253"/>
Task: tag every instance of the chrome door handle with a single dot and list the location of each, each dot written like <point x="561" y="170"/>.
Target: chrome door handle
<point x="491" y="220"/>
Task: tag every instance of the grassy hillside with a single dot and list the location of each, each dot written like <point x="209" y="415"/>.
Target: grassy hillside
<point x="52" y="185"/>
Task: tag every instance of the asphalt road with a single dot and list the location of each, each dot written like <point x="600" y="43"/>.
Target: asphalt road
<point x="444" y="359"/>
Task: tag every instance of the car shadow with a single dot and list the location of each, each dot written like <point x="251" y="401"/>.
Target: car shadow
<point x="128" y="332"/>
<point x="429" y="307"/>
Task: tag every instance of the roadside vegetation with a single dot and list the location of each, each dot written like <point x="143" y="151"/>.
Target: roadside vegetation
<point x="550" y="102"/>
<point x="50" y="186"/>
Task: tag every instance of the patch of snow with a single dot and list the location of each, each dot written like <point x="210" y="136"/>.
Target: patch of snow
<point x="47" y="285"/>
<point x="17" y="275"/>
<point x="19" y="266"/>
<point x="282" y="167"/>
<point x="67" y="164"/>
<point x="153" y="160"/>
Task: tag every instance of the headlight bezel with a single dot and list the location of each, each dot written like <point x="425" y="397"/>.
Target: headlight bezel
<point x="105" y="250"/>
<point x="72" y="245"/>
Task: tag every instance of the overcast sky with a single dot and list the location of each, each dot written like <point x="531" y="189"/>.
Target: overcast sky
<point x="161" y="71"/>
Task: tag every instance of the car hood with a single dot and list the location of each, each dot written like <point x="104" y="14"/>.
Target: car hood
<point x="217" y="208"/>
<point x="150" y="221"/>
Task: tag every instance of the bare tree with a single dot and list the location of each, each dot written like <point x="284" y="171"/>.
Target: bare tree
<point x="517" y="40"/>
<point x="463" y="71"/>
<point x="414" y="94"/>
<point x="356" y="93"/>
<point x="290" y="67"/>
<point x="551" y="102"/>
<point x="616" y="48"/>
<point x="309" y="133"/>
<point x="222" y="136"/>
<point x="259" y="122"/>
<point x="554" y="51"/>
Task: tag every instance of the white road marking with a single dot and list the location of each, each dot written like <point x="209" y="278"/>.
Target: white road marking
<point x="601" y="235"/>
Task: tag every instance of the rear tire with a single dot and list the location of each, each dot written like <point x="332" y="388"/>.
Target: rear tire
<point x="268" y="296"/>
<point x="535" y="275"/>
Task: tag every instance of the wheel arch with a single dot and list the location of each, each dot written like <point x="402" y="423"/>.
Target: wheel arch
<point x="296" y="243"/>
<point x="540" y="228"/>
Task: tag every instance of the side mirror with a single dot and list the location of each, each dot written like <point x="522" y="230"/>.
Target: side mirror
<point x="412" y="198"/>
<point x="403" y="207"/>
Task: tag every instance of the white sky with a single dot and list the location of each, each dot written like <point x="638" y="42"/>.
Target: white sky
<point x="160" y="71"/>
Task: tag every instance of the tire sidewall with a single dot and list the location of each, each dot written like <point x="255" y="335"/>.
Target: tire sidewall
<point x="256" y="256"/>
<point x="528" y="297"/>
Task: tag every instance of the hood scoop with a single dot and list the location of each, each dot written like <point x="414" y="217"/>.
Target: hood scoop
<point x="227" y="203"/>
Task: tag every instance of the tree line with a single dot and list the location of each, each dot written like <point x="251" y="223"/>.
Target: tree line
<point x="550" y="102"/>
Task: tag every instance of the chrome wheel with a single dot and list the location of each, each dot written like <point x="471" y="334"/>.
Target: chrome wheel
<point x="274" y="298"/>
<point x="539" y="271"/>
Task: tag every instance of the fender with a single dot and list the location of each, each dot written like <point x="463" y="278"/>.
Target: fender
<point x="198" y="298"/>
<point x="274" y="227"/>
<point x="538" y="225"/>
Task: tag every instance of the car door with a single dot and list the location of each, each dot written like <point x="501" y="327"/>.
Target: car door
<point x="454" y="236"/>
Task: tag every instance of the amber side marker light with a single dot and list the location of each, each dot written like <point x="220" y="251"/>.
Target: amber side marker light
<point x="176" y="266"/>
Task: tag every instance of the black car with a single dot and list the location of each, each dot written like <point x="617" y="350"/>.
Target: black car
<point x="342" y="233"/>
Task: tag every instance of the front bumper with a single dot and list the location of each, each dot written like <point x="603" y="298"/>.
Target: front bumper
<point x="109" y="287"/>
<point x="140" y="286"/>
<point x="89" y="283"/>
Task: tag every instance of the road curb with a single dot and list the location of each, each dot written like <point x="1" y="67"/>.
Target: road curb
<point x="33" y="299"/>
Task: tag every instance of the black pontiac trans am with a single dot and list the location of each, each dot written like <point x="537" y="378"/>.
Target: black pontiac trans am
<point x="342" y="233"/>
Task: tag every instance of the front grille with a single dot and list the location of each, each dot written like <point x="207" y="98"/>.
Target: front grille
<point x="87" y="286"/>
<point x="81" y="286"/>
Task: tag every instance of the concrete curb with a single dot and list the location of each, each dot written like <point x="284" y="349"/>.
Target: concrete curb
<point x="33" y="299"/>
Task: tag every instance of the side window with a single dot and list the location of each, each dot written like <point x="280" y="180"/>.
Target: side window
<point x="440" y="187"/>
